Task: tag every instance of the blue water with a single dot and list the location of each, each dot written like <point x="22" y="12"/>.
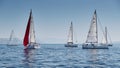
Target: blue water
<point x="57" y="56"/>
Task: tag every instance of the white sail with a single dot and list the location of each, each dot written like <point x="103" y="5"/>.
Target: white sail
<point x="105" y="40"/>
<point x="70" y="35"/>
<point x="109" y="41"/>
<point x="12" y="39"/>
<point x="92" y="36"/>
<point x="32" y="31"/>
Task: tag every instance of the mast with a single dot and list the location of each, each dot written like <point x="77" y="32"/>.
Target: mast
<point x="106" y="35"/>
<point x="70" y="36"/>
<point x="92" y="36"/>
<point x="96" y="27"/>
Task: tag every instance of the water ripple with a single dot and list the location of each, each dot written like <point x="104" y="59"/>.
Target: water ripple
<point x="57" y="56"/>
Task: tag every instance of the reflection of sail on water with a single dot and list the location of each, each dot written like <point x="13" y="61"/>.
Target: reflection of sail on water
<point x="12" y="39"/>
<point x="29" y="58"/>
<point x="93" y="58"/>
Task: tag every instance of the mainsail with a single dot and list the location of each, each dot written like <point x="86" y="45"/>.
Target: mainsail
<point x="92" y="36"/>
<point x="70" y="35"/>
<point x="26" y="37"/>
<point x="70" y="38"/>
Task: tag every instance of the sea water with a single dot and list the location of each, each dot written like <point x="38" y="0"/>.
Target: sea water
<point x="58" y="56"/>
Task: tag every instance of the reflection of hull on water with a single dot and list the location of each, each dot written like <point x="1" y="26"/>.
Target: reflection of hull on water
<point x="12" y="44"/>
<point x="32" y="46"/>
<point x="92" y="46"/>
<point x="29" y="58"/>
<point x="71" y="45"/>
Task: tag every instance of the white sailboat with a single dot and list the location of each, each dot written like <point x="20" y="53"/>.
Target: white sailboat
<point x="12" y="40"/>
<point x="70" y="38"/>
<point x="105" y="39"/>
<point x="92" y="37"/>
<point x="29" y="39"/>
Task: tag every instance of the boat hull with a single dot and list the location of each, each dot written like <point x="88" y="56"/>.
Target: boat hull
<point x="91" y="46"/>
<point x="32" y="46"/>
<point x="109" y="44"/>
<point x="71" y="45"/>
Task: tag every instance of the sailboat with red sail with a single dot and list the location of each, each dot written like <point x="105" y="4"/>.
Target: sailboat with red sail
<point x="29" y="38"/>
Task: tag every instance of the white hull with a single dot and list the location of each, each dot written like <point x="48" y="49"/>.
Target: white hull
<point x="106" y="44"/>
<point x="32" y="46"/>
<point x="93" y="46"/>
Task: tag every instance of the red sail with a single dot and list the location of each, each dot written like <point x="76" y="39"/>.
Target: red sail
<point x="26" y="37"/>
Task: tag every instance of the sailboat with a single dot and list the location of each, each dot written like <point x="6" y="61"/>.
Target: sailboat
<point x="70" y="38"/>
<point x="105" y="38"/>
<point x="29" y="38"/>
<point x="12" y="40"/>
<point x="92" y="37"/>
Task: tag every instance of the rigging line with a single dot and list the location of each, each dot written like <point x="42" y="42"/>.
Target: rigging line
<point x="101" y="26"/>
<point x="75" y="36"/>
<point x="103" y="30"/>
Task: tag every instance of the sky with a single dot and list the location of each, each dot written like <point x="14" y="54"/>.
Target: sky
<point x="52" y="18"/>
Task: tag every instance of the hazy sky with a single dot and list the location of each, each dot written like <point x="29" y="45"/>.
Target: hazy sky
<point x="52" y="18"/>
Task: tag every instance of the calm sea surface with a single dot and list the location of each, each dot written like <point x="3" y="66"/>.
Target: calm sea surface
<point x="57" y="56"/>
